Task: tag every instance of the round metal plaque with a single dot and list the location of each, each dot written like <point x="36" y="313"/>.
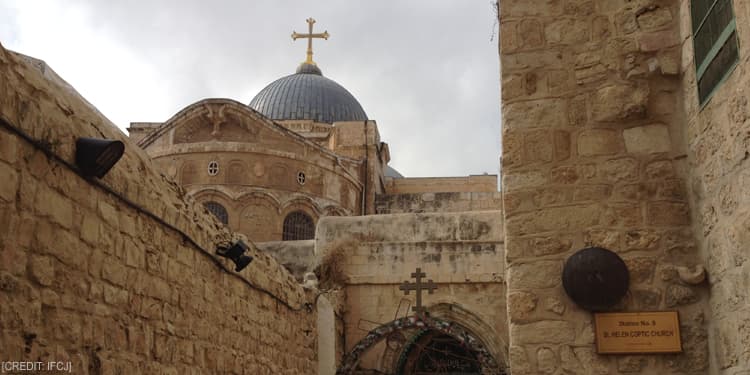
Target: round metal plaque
<point x="595" y="278"/>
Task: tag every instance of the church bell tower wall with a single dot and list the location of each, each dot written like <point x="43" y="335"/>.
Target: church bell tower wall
<point x="594" y="154"/>
<point x="128" y="286"/>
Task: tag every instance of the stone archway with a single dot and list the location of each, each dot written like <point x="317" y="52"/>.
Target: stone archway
<point x="488" y="364"/>
<point x="430" y="352"/>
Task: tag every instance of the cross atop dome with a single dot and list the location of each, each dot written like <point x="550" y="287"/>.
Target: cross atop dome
<point x="310" y="36"/>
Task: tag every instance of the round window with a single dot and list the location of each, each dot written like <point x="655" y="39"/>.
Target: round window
<point x="301" y="178"/>
<point x="213" y="168"/>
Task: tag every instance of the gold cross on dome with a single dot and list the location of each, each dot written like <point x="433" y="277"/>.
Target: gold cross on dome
<point x="419" y="287"/>
<point x="310" y="36"/>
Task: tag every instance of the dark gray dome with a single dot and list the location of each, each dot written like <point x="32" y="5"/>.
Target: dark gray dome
<point x="307" y="95"/>
<point x="390" y="172"/>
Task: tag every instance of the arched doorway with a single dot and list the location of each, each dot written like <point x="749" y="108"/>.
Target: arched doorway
<point x="438" y="343"/>
<point x="433" y="352"/>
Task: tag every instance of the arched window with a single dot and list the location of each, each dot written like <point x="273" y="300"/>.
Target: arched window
<point x="298" y="226"/>
<point x="218" y="210"/>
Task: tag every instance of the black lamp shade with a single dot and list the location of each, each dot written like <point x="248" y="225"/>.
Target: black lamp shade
<point x="236" y="253"/>
<point x="95" y="157"/>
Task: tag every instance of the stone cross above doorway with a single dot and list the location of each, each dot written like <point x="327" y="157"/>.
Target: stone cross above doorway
<point x="418" y="286"/>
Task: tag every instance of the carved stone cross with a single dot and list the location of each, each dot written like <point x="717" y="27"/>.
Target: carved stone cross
<point x="310" y="36"/>
<point x="418" y="286"/>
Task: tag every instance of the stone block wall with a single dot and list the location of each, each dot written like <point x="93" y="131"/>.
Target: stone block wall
<point x="296" y="256"/>
<point x="86" y="277"/>
<point x="462" y="253"/>
<point x="485" y="183"/>
<point x="438" y="202"/>
<point x="594" y="155"/>
<point x="718" y="138"/>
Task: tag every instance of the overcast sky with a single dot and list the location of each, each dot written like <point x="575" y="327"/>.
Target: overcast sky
<point x="426" y="70"/>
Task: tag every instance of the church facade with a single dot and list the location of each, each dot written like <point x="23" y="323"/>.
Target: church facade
<point x="302" y="149"/>
<point x="292" y="168"/>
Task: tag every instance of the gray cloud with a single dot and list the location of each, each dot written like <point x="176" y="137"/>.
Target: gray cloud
<point x="426" y="71"/>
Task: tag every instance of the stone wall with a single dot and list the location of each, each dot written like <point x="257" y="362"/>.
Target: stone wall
<point x="89" y="278"/>
<point x="296" y="256"/>
<point x="372" y="255"/>
<point x="412" y="185"/>
<point x="438" y="202"/>
<point x="718" y="137"/>
<point x="593" y="154"/>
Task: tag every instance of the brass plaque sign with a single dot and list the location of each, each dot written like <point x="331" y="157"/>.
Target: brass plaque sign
<point x="641" y="332"/>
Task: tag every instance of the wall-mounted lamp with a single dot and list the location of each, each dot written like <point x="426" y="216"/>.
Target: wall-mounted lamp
<point x="236" y="253"/>
<point x="95" y="157"/>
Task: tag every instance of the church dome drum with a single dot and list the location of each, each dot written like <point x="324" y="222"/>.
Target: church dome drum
<point x="308" y="95"/>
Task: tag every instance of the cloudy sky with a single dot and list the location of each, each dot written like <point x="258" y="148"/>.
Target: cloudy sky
<point x="425" y="70"/>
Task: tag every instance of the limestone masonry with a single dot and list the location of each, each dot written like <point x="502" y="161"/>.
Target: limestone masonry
<point x="605" y="143"/>
<point x="626" y="126"/>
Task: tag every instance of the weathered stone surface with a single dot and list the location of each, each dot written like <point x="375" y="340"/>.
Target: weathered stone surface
<point x="546" y="360"/>
<point x="596" y="193"/>
<point x="519" y="360"/>
<point x="554" y="305"/>
<point x="622" y="215"/>
<point x="536" y="275"/>
<point x="659" y="169"/>
<point x="641" y="239"/>
<point x="555" y="218"/>
<point x="592" y="363"/>
<point x="568" y="360"/>
<point x="608" y="239"/>
<point x="530" y="60"/>
<point x="513" y="86"/>
<point x="535" y="114"/>
<point x="524" y="179"/>
<point x="599" y="142"/>
<point x="50" y="203"/>
<point x="521" y="305"/>
<point x="531" y="33"/>
<point x="538" y="145"/>
<point x="42" y="270"/>
<point x="619" y="170"/>
<point x="679" y="295"/>
<point x="531" y="8"/>
<point x="509" y="38"/>
<point x="631" y="363"/>
<point x="549" y="245"/>
<point x="620" y="102"/>
<point x="544" y="332"/>
<point x="668" y="214"/>
<point x="647" y="299"/>
<point x="657" y="41"/>
<point x="567" y="31"/>
<point x="647" y="139"/>
<point x="10" y="179"/>
<point x="564" y="175"/>
<point x="578" y="111"/>
<point x="641" y="269"/>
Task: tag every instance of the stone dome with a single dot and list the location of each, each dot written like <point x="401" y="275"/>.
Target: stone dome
<point x="307" y="95"/>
